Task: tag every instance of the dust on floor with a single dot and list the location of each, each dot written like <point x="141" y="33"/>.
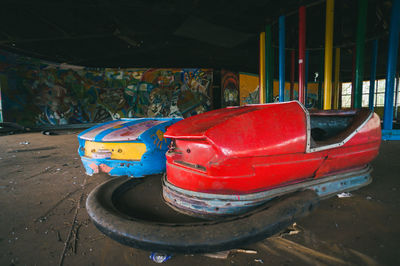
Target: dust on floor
<point x="43" y="189"/>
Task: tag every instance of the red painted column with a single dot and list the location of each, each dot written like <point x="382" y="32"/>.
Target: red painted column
<point x="302" y="53"/>
<point x="292" y="55"/>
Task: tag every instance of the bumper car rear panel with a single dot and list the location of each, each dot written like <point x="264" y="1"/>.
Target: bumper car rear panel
<point x="210" y="206"/>
<point x="251" y="150"/>
<point x="130" y="146"/>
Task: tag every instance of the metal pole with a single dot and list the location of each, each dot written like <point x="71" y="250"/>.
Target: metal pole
<point x="340" y="95"/>
<point x="372" y="77"/>
<point x="292" y="59"/>
<point x="336" y="81"/>
<point x="328" y="54"/>
<point x="376" y="92"/>
<point x="1" y="110"/>
<point x="269" y="65"/>
<point x="306" y="77"/>
<point x="391" y="65"/>
<point x="281" y="58"/>
<point x="361" y="27"/>
<point x="262" y="68"/>
<point x="320" y="83"/>
<point x="396" y="97"/>
<point x="353" y="77"/>
<point x="302" y="52"/>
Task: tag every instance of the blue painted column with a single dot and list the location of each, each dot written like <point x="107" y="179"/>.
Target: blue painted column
<point x="391" y="65"/>
<point x="372" y="77"/>
<point x="281" y="58"/>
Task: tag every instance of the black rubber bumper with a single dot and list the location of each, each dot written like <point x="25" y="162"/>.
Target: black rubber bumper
<point x="199" y="237"/>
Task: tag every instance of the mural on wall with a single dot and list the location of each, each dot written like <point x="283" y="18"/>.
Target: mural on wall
<point x="43" y="93"/>
<point x="249" y="85"/>
<point x="249" y="90"/>
<point x="229" y="88"/>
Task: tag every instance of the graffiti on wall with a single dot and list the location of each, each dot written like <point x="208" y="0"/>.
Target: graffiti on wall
<point x="249" y="90"/>
<point x="229" y="88"/>
<point x="249" y="84"/>
<point x="43" y="93"/>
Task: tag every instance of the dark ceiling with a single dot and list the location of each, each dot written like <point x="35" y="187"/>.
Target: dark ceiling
<point x="180" y="33"/>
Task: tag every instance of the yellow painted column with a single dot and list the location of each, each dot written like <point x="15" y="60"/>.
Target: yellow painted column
<point x="336" y="87"/>
<point x="328" y="54"/>
<point x="262" y="68"/>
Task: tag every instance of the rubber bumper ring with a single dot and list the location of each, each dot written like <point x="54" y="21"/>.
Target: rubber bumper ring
<point x="190" y="238"/>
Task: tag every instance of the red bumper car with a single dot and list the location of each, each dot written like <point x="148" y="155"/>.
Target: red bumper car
<point x="230" y="160"/>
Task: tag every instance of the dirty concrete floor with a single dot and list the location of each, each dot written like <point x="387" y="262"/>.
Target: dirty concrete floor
<point x="41" y="184"/>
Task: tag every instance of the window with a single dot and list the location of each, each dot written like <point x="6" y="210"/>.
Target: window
<point x="379" y="97"/>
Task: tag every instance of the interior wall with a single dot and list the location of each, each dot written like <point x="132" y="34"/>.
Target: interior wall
<point x="36" y="92"/>
<point x="249" y="90"/>
<point x="229" y="88"/>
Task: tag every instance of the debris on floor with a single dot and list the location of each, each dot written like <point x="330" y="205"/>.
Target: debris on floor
<point x="226" y="253"/>
<point x="49" y="133"/>
<point x="159" y="257"/>
<point x="294" y="229"/>
<point x="344" y="195"/>
<point x="24" y="143"/>
<point x="45" y="200"/>
<point x="222" y="255"/>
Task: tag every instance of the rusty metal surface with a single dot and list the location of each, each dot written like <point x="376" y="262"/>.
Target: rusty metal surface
<point x="208" y="205"/>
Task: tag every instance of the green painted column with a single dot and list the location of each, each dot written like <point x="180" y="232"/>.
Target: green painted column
<point x="269" y="79"/>
<point x="360" y="44"/>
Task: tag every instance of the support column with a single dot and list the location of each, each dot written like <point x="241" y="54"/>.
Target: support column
<point x="372" y="77"/>
<point x="292" y="68"/>
<point x="269" y="82"/>
<point x="306" y="77"/>
<point x="321" y="83"/>
<point x="281" y="58"/>
<point x="302" y="52"/>
<point x="360" y="44"/>
<point x="1" y="110"/>
<point x="396" y="95"/>
<point x="353" y="77"/>
<point x="336" y="81"/>
<point x="376" y="91"/>
<point x="328" y="54"/>
<point x="391" y="65"/>
<point x="262" y="68"/>
<point x="340" y="94"/>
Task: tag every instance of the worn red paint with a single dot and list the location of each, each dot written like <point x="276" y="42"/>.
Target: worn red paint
<point x="255" y="148"/>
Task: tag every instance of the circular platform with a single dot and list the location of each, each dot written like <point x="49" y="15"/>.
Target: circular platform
<point x="132" y="212"/>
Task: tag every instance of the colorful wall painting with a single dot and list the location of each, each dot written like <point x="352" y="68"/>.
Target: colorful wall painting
<point x="44" y="93"/>
<point x="248" y="84"/>
<point x="230" y="88"/>
<point x="249" y="90"/>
